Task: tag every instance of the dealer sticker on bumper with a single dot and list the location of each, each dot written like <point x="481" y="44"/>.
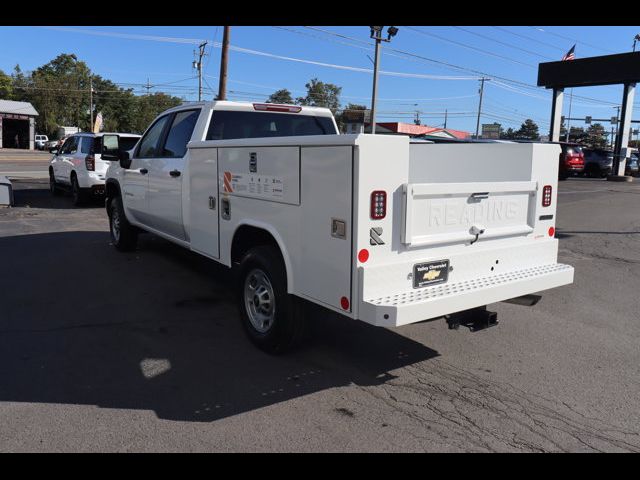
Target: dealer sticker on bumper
<point x="431" y="273"/>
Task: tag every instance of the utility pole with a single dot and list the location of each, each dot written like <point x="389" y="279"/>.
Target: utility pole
<point x="91" y="103"/>
<point x="416" y="121"/>
<point x="445" y="118"/>
<point x="197" y="64"/>
<point x="482" y="80"/>
<point x="376" y="34"/>
<point x="224" y="64"/>
<point x="148" y="86"/>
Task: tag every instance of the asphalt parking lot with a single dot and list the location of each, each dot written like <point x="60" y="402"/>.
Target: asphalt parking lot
<point x="104" y="351"/>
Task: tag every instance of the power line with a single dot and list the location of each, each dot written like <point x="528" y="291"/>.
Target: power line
<point x="451" y="66"/>
<point x="536" y="54"/>
<point x="574" y="40"/>
<point x="485" y="52"/>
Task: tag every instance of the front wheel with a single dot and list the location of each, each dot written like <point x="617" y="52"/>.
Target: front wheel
<point x="271" y="317"/>
<point x="123" y="235"/>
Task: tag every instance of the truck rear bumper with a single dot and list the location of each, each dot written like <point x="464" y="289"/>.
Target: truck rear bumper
<point x="432" y="302"/>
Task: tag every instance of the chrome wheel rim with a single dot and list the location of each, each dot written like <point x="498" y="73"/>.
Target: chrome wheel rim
<point x="115" y="224"/>
<point x="259" y="300"/>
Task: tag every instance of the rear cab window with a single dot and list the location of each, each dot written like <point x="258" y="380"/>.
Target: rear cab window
<point x="227" y="125"/>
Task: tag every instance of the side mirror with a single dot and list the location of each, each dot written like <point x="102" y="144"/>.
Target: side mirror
<point x="111" y="148"/>
<point x="111" y="151"/>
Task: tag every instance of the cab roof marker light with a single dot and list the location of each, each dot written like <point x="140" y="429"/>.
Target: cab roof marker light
<point x="273" y="107"/>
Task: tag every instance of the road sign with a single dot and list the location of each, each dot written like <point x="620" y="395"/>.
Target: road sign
<point x="587" y="120"/>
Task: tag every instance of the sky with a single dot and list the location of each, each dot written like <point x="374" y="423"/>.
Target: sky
<point x="428" y="69"/>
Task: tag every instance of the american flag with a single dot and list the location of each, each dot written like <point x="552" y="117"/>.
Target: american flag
<point x="570" y="55"/>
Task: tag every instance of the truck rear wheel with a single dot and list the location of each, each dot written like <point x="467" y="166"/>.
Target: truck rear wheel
<point x="271" y="317"/>
<point x="123" y="235"/>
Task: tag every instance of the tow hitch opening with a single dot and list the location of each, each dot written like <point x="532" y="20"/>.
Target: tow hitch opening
<point x="474" y="319"/>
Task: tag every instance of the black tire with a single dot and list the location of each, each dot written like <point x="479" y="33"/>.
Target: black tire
<point x="53" y="185"/>
<point x="77" y="194"/>
<point x="124" y="236"/>
<point x="286" y="324"/>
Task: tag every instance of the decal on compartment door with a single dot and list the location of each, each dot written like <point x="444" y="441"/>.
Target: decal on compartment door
<point x="227" y="182"/>
<point x="252" y="185"/>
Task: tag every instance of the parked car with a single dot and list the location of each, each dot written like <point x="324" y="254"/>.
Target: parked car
<point x="633" y="165"/>
<point x="571" y="160"/>
<point x="41" y="141"/>
<point x="598" y="162"/>
<point x="78" y="167"/>
<point x="54" y="145"/>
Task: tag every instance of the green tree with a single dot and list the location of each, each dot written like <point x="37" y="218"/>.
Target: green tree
<point x="59" y="91"/>
<point x="528" y="131"/>
<point x="349" y="110"/>
<point x="508" y="134"/>
<point x="148" y="107"/>
<point x="596" y="136"/>
<point x="320" y="94"/>
<point x="6" y="86"/>
<point x="282" y="96"/>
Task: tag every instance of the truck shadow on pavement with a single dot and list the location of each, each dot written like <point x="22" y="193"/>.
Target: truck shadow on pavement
<point x="157" y="329"/>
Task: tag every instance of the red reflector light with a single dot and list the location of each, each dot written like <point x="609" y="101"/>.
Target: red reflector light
<point x="378" y="204"/>
<point x="90" y="162"/>
<point x="546" y="195"/>
<point x="363" y="255"/>
<point x="273" y="107"/>
<point x="552" y="231"/>
<point x="344" y="303"/>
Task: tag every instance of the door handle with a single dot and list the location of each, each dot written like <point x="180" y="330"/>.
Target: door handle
<point x="175" y="173"/>
<point x="144" y="171"/>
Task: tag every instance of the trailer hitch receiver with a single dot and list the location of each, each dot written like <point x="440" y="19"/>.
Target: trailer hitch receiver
<point x="475" y="319"/>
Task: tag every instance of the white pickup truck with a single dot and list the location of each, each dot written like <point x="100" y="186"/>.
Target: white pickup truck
<point x="374" y="227"/>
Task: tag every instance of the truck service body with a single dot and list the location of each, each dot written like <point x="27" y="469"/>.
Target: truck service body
<point x="374" y="227"/>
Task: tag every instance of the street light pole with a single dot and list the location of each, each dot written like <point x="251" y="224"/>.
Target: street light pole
<point x="376" y="34"/>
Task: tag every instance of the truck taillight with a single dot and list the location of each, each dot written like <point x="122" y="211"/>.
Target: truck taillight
<point x="546" y="196"/>
<point x="378" y="204"/>
<point x="90" y="162"/>
<point x="272" y="107"/>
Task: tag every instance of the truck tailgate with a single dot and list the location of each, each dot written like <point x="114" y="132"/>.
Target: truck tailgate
<point x="450" y="213"/>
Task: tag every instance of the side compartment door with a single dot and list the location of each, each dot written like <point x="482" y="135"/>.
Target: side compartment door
<point x="326" y="228"/>
<point x="204" y="208"/>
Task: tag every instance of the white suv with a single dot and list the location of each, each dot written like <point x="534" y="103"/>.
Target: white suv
<point x="77" y="166"/>
<point x="41" y="141"/>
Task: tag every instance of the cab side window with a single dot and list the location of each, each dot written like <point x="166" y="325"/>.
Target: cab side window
<point x="181" y="129"/>
<point x="150" y="143"/>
